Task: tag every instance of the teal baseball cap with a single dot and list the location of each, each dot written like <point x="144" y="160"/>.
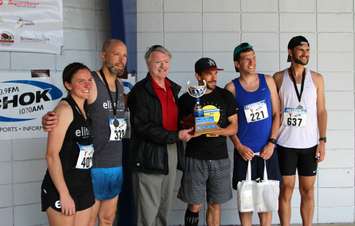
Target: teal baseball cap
<point x="242" y="47"/>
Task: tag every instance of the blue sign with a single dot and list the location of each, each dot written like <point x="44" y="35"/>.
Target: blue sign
<point x="24" y="100"/>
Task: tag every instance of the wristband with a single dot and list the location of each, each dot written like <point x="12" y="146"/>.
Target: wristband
<point x="324" y="139"/>
<point x="272" y="140"/>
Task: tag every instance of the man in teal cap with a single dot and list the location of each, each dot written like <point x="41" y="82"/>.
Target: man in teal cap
<point x="258" y="123"/>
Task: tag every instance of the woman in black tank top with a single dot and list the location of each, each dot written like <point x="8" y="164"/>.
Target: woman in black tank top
<point x="67" y="194"/>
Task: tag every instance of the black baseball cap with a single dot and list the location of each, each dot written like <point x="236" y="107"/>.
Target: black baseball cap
<point x="205" y="64"/>
<point x="296" y="41"/>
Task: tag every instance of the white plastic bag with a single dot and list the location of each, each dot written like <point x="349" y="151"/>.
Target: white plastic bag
<point x="245" y="190"/>
<point x="266" y="196"/>
<point x="258" y="196"/>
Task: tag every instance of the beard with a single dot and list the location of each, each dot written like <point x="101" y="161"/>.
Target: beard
<point x="115" y="70"/>
<point x="211" y="86"/>
<point x="298" y="61"/>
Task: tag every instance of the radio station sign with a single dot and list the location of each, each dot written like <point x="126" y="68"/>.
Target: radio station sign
<point x="23" y="102"/>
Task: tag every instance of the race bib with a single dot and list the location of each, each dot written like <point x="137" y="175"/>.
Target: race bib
<point x="86" y="153"/>
<point x="295" y="117"/>
<point x="118" y="127"/>
<point x="256" y="111"/>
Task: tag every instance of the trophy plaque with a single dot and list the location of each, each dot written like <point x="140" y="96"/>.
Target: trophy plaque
<point x="203" y="124"/>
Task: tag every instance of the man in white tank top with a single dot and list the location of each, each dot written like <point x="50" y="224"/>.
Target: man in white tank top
<point x="302" y="138"/>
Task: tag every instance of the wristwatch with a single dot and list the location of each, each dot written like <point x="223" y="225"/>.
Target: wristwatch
<point x="324" y="139"/>
<point x="272" y="140"/>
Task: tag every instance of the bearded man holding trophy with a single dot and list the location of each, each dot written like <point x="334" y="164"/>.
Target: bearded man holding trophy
<point x="206" y="168"/>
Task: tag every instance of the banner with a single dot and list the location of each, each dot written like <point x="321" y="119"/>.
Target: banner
<point x="31" y="25"/>
<point x="23" y="102"/>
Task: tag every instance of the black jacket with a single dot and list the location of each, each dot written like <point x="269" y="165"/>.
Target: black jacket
<point x="148" y="145"/>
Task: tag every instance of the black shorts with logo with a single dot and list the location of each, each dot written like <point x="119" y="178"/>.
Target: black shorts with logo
<point x="83" y="198"/>
<point x="303" y="160"/>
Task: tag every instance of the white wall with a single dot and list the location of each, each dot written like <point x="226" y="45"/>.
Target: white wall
<point x="195" y="28"/>
<point x="22" y="164"/>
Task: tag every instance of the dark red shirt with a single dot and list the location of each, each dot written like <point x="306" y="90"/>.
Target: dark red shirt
<point x="168" y="105"/>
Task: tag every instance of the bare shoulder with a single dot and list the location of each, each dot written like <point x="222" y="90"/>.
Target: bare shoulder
<point x="278" y="75"/>
<point x="278" y="78"/>
<point x="230" y="87"/>
<point x="65" y="116"/>
<point x="63" y="110"/>
<point x="317" y="78"/>
<point x="269" y="78"/>
<point x="271" y="83"/>
<point x="316" y="75"/>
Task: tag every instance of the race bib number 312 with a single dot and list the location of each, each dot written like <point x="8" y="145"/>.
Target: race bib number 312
<point x="118" y="127"/>
<point x="256" y="111"/>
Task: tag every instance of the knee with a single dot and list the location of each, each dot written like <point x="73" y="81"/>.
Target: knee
<point x="195" y="208"/>
<point x="287" y="188"/>
<point x="286" y="194"/>
<point x="107" y="218"/>
<point x="307" y="193"/>
<point x="214" y="206"/>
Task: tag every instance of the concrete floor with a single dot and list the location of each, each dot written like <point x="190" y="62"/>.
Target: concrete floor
<point x="332" y="224"/>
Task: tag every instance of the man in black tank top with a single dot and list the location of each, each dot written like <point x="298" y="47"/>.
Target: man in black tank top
<point x="106" y="109"/>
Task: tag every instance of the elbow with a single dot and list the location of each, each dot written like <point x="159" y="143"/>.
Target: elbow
<point x="232" y="131"/>
<point x="51" y="158"/>
<point x="276" y="116"/>
<point x="322" y="113"/>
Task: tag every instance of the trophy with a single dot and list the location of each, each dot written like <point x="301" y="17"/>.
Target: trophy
<point x="203" y="124"/>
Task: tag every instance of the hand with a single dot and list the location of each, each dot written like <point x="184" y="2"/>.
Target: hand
<point x="67" y="205"/>
<point x="267" y="151"/>
<point x="245" y="152"/>
<point x="320" y="152"/>
<point x="49" y="121"/>
<point x="185" y="134"/>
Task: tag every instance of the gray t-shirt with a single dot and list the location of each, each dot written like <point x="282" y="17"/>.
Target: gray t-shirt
<point x="107" y="153"/>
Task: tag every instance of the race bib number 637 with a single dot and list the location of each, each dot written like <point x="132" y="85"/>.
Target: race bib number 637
<point x="295" y="117"/>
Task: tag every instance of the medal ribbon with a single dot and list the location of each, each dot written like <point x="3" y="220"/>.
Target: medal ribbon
<point x="114" y="104"/>
<point x="299" y="94"/>
<point x="77" y="108"/>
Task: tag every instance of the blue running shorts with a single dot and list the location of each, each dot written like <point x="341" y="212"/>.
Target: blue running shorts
<point x="107" y="182"/>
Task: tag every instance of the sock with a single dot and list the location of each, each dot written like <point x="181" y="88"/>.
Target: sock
<point x="191" y="218"/>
